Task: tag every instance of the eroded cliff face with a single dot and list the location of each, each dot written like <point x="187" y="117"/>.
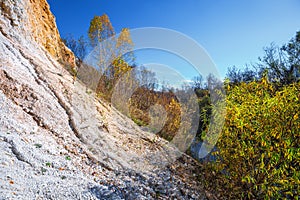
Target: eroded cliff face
<point x="33" y="19"/>
<point x="58" y="141"/>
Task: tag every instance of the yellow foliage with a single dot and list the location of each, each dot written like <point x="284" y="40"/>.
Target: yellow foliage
<point x="259" y="154"/>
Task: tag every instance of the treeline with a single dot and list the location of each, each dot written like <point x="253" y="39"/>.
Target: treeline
<point x="280" y="64"/>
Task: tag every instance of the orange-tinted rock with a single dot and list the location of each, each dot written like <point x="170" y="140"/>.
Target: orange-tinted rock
<point x="33" y="18"/>
<point x="45" y="32"/>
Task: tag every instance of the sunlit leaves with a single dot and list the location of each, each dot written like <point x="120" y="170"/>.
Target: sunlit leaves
<point x="259" y="146"/>
<point x="100" y="29"/>
<point x="114" y="53"/>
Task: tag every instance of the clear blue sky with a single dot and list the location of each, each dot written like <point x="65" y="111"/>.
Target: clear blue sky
<point x="232" y="32"/>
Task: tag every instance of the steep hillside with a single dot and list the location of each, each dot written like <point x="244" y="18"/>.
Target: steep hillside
<point x="59" y="142"/>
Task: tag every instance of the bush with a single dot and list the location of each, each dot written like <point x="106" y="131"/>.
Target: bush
<point x="258" y="152"/>
<point x="143" y="99"/>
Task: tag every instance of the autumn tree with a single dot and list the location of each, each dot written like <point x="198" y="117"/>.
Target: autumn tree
<point x="124" y="56"/>
<point x="124" y="46"/>
<point x="101" y="33"/>
<point x="100" y="29"/>
<point x="114" y="52"/>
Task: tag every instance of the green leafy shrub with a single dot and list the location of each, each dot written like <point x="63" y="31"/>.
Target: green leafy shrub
<point x="258" y="153"/>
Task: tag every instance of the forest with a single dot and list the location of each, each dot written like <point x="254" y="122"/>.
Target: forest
<point x="257" y="155"/>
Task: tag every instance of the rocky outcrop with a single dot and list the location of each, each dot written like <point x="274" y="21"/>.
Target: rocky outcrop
<point x="58" y="140"/>
<point x="33" y="19"/>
